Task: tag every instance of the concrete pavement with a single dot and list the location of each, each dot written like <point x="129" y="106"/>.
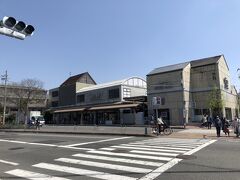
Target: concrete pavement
<point x="189" y="132"/>
<point x="104" y="130"/>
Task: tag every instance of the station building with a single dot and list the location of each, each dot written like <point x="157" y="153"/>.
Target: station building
<point x="120" y="102"/>
<point x="180" y="93"/>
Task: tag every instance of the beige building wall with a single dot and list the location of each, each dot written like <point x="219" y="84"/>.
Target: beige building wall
<point x="186" y="94"/>
<point x="229" y="94"/>
<point x="204" y="77"/>
<point x="194" y="83"/>
<point x="168" y="86"/>
<point x="82" y="85"/>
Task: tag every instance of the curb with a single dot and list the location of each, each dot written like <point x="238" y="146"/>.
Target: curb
<point x="62" y="132"/>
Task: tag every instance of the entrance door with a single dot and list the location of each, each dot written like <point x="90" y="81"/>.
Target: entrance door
<point x="228" y="112"/>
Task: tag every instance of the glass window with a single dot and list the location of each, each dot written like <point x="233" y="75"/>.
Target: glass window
<point x="214" y="76"/>
<point x="54" y="103"/>
<point x="197" y="111"/>
<point x="113" y="93"/>
<point x="126" y="92"/>
<point x="55" y="94"/>
<point x="163" y="101"/>
<point x="80" y="98"/>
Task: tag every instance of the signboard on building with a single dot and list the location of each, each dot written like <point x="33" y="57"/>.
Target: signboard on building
<point x="157" y="100"/>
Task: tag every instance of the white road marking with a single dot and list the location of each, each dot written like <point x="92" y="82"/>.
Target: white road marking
<point x="163" y="147"/>
<point x="82" y="172"/>
<point x="176" y="144"/>
<point x="155" y="153"/>
<point x="200" y="147"/>
<point x="32" y="175"/>
<point x="157" y="172"/>
<point x="147" y="149"/>
<point x="172" y="145"/>
<point x="104" y="165"/>
<point x="8" y="162"/>
<point x="108" y="149"/>
<point x="106" y="158"/>
<point x="22" y="142"/>
<point x="42" y="144"/>
<point x="173" y="140"/>
<point x="131" y="155"/>
<point x="94" y="142"/>
<point x="76" y="148"/>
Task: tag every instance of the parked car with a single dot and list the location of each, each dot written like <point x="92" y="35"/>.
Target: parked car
<point x="39" y="118"/>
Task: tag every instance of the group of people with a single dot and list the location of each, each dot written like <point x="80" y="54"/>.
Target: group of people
<point x="222" y="124"/>
<point x="207" y="121"/>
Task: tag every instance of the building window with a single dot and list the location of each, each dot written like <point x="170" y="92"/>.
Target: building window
<point x="54" y="103"/>
<point x="126" y="92"/>
<point x="163" y="101"/>
<point x="113" y="93"/>
<point x="197" y="112"/>
<point x="225" y="81"/>
<point x="81" y="98"/>
<point x="214" y="77"/>
<point x="55" y="94"/>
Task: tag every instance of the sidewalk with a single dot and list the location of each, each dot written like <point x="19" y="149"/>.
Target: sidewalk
<point x="104" y="130"/>
<point x="196" y="132"/>
<point x="191" y="132"/>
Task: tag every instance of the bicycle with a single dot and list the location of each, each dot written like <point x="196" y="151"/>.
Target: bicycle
<point x="167" y="130"/>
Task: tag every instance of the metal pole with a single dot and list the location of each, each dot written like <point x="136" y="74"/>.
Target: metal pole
<point x="5" y="77"/>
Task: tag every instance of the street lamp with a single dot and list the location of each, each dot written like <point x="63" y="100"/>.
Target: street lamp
<point x="9" y="26"/>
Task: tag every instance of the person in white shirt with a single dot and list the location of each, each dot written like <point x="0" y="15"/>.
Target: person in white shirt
<point x="160" y="124"/>
<point x="236" y="125"/>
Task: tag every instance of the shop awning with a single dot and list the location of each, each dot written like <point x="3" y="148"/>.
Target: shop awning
<point x="119" y="106"/>
<point x="69" y="110"/>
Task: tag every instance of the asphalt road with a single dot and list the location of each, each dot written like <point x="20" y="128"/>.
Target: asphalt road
<point x="61" y="157"/>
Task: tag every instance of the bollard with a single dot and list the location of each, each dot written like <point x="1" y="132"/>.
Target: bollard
<point x="145" y="131"/>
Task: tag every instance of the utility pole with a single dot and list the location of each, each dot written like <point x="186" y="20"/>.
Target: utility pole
<point x="5" y="78"/>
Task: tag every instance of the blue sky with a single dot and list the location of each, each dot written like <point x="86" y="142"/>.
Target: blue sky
<point x="115" y="39"/>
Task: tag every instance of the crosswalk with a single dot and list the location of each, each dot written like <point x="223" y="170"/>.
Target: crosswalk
<point x="143" y="160"/>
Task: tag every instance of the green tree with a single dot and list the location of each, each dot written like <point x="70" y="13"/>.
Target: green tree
<point x="216" y="102"/>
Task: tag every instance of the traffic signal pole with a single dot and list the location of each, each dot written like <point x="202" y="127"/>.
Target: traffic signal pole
<point x="5" y="78"/>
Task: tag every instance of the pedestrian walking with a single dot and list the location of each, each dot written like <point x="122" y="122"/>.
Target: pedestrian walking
<point x="218" y="125"/>
<point x="209" y="122"/>
<point x="204" y="121"/>
<point x="225" y="127"/>
<point x="37" y="124"/>
<point x="236" y="125"/>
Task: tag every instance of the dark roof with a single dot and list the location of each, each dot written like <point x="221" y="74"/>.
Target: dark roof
<point x="74" y="79"/>
<point x="194" y="63"/>
<point x="205" y="61"/>
<point x="169" y="68"/>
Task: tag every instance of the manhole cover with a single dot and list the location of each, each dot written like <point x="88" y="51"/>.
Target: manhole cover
<point x="16" y="148"/>
<point x="186" y="157"/>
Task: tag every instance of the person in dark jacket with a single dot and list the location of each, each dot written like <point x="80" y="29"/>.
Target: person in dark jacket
<point x="218" y="125"/>
<point x="209" y="122"/>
